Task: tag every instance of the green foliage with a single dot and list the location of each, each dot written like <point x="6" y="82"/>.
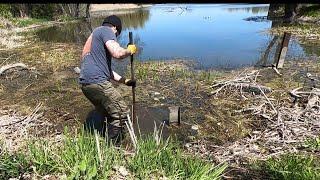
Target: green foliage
<point x="294" y="166"/>
<point x="312" y="10"/>
<point x="65" y="17"/>
<point x="24" y="22"/>
<point x="43" y="11"/>
<point x="166" y="159"/>
<point x="77" y="157"/>
<point x="313" y="144"/>
<point x="11" y="165"/>
<point x="5" y="11"/>
<point x="87" y="156"/>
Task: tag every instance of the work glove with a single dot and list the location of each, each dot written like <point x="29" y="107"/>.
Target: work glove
<point x="128" y="82"/>
<point x="132" y="48"/>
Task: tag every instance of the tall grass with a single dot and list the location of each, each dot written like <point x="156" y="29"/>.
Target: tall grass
<point x="87" y="156"/>
<point x="294" y="166"/>
<point x="290" y="166"/>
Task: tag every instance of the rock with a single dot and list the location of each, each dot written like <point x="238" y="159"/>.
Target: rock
<point x="77" y="70"/>
<point x="156" y="93"/>
<point x="191" y="138"/>
<point x="195" y="127"/>
<point x="156" y="99"/>
<point x="123" y="171"/>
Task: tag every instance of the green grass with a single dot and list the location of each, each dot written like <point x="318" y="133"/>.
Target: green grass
<point x="313" y="144"/>
<point x="294" y="166"/>
<point x="12" y="165"/>
<point x="313" y="11"/>
<point x="24" y="22"/>
<point x="85" y="156"/>
<point x="167" y="160"/>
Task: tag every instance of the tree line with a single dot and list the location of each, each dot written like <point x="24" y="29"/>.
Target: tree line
<point x="45" y="11"/>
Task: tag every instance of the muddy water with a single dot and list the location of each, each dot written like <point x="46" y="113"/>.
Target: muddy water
<point x="214" y="35"/>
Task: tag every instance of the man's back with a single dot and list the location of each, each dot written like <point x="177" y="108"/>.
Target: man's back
<point x="96" y="62"/>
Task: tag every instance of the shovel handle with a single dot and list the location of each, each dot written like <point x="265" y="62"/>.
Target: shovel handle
<point x="133" y="115"/>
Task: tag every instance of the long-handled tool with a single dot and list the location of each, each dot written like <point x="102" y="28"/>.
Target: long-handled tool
<point x="133" y="113"/>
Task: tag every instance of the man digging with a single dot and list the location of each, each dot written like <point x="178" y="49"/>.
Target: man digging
<point x="96" y="73"/>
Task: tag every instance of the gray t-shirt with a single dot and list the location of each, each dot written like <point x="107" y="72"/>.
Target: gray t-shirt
<point x="96" y="66"/>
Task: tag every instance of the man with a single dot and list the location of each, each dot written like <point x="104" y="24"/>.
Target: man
<point x="96" y="73"/>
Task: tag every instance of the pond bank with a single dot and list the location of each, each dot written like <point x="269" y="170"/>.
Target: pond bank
<point x="225" y="125"/>
<point x="224" y="118"/>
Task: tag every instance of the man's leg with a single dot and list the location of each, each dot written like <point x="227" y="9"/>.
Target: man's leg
<point x="117" y="110"/>
<point x="108" y="101"/>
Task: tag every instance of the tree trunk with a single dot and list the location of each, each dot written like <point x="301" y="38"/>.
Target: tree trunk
<point x="62" y="9"/>
<point x="273" y="11"/>
<point x="291" y="12"/>
<point x="23" y="10"/>
<point x="77" y="10"/>
<point x="88" y="11"/>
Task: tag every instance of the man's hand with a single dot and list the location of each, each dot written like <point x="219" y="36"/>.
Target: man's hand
<point x="128" y="82"/>
<point x="132" y="48"/>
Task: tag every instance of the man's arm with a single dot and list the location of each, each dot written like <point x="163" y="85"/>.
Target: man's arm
<point x="116" y="50"/>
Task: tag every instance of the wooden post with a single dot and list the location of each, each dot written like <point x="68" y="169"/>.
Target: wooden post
<point x="283" y="50"/>
<point x="174" y="115"/>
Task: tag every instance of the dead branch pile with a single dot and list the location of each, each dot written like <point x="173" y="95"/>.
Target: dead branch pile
<point x="244" y="82"/>
<point x="15" y="128"/>
<point x="288" y="125"/>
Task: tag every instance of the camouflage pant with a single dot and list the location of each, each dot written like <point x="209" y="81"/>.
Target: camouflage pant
<point x="108" y="101"/>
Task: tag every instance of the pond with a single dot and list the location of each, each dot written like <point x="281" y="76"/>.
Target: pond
<point x="213" y="35"/>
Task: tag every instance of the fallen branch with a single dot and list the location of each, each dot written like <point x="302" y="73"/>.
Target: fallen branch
<point x="299" y="94"/>
<point x="244" y="83"/>
<point x="10" y="66"/>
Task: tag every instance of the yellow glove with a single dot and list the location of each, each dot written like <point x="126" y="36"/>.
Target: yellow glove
<point x="132" y="48"/>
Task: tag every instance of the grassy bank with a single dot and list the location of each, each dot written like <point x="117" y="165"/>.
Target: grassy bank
<point x="86" y="156"/>
<point x="299" y="165"/>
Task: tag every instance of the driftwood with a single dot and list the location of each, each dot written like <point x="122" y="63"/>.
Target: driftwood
<point x="10" y="66"/>
<point x="299" y="94"/>
<point x="245" y="83"/>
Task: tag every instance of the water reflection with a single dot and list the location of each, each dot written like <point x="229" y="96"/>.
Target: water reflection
<point x="216" y="36"/>
<point x="79" y="32"/>
<point x="70" y="33"/>
<point x="252" y="10"/>
<point x="132" y="19"/>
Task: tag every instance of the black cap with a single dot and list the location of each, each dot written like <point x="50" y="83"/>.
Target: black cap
<point x="115" y="21"/>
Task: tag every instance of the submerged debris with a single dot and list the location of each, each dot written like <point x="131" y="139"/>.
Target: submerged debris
<point x="257" y="19"/>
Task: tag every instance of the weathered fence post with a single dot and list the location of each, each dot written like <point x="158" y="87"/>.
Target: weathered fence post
<point x="282" y="50"/>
